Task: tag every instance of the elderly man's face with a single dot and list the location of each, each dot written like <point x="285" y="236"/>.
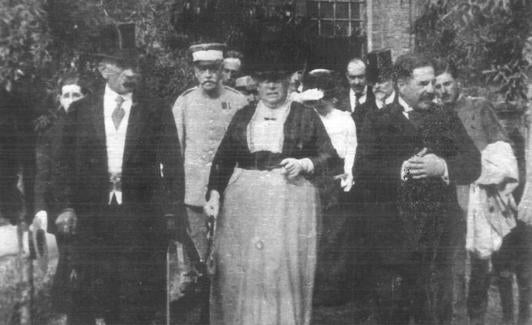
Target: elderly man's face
<point x="446" y="88"/>
<point x="208" y="76"/>
<point x="69" y="94"/>
<point x="356" y="77"/>
<point x="122" y="80"/>
<point x="383" y="89"/>
<point x="273" y="93"/>
<point x="418" y="90"/>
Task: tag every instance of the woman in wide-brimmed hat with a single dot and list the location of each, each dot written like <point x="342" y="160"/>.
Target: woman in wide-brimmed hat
<point x="265" y="242"/>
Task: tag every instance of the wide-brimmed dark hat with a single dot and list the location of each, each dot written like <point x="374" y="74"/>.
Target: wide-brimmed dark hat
<point x="117" y="42"/>
<point x="380" y="66"/>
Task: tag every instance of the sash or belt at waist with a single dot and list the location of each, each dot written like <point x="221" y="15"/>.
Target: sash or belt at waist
<point x="261" y="160"/>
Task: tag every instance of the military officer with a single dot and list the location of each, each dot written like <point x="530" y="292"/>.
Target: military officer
<point x="202" y="114"/>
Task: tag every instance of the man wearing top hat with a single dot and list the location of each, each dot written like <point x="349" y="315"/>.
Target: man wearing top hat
<point x="202" y="115"/>
<point x="123" y="172"/>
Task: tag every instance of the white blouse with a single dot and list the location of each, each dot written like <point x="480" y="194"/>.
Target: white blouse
<point x="265" y="132"/>
<point x="343" y="135"/>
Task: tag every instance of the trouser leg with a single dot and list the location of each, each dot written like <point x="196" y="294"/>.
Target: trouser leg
<point x="332" y="281"/>
<point x="197" y="222"/>
<point x="478" y="290"/>
<point x="524" y="274"/>
<point x="392" y="297"/>
<point x="458" y="274"/>
<point x="61" y="288"/>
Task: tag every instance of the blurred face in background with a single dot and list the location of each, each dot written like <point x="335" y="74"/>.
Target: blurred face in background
<point x="273" y="93"/>
<point x="446" y="88"/>
<point x="69" y="94"/>
<point x="356" y="77"/>
<point x="231" y="70"/>
<point x="383" y="89"/>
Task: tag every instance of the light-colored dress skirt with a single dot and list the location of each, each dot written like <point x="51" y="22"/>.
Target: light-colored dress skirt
<point x="265" y="250"/>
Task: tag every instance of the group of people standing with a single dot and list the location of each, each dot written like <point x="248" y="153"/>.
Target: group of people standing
<point x="318" y="193"/>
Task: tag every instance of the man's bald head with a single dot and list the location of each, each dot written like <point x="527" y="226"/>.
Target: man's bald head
<point x="356" y="75"/>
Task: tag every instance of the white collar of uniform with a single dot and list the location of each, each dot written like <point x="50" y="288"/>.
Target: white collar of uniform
<point x="110" y="96"/>
<point x="390" y="98"/>
<point x="407" y="108"/>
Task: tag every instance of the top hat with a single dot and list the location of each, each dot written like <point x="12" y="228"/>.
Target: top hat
<point x="379" y="66"/>
<point x="117" y="43"/>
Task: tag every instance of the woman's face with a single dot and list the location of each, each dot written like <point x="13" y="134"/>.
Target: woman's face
<point x="273" y="93"/>
<point x="323" y="106"/>
<point x="69" y="94"/>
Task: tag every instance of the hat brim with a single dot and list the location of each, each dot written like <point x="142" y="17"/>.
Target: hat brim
<point x="123" y="57"/>
<point x="272" y="75"/>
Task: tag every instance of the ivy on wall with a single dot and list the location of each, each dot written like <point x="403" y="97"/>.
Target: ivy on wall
<point x="484" y="39"/>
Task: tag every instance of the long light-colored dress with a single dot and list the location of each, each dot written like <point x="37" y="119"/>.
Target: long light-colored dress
<point x="265" y="245"/>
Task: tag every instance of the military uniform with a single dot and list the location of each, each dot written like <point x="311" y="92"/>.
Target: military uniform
<point x="201" y="124"/>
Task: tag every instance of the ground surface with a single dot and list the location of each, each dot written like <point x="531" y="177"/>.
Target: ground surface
<point x="10" y="296"/>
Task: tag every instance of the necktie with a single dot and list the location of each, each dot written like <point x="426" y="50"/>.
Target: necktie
<point x="118" y="113"/>
<point x="357" y="100"/>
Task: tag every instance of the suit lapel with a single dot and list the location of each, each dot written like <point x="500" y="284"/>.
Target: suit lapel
<point x="98" y="119"/>
<point x="405" y="126"/>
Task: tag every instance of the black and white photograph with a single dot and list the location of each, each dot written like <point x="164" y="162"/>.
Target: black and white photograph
<point x="265" y="162"/>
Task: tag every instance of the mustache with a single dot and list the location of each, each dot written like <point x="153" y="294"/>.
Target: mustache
<point x="130" y="84"/>
<point x="426" y="96"/>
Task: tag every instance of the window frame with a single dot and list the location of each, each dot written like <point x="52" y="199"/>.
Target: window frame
<point x="352" y="21"/>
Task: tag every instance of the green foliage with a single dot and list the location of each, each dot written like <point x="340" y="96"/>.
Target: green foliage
<point x="50" y="37"/>
<point x="24" y="38"/>
<point x="484" y="39"/>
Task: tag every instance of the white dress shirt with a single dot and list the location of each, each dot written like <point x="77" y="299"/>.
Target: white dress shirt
<point x="342" y="132"/>
<point x="353" y="100"/>
<point x="115" y="139"/>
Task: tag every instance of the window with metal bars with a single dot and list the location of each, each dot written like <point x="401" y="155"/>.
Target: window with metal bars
<point x="336" y="18"/>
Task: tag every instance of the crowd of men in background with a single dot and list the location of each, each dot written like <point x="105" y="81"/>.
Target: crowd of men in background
<point x="164" y="156"/>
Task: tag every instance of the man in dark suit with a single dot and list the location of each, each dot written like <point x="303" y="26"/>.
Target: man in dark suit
<point x="411" y="156"/>
<point x="124" y="178"/>
<point x="360" y="99"/>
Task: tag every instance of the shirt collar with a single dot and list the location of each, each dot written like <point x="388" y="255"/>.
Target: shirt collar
<point x="390" y="98"/>
<point x="111" y="94"/>
<point x="407" y="108"/>
<point x="363" y="95"/>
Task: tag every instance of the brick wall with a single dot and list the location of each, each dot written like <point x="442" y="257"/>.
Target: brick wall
<point x="391" y="25"/>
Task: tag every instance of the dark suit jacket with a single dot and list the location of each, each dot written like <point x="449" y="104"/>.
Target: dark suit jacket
<point x="49" y="129"/>
<point x="152" y="172"/>
<point x="361" y="112"/>
<point x="401" y="212"/>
